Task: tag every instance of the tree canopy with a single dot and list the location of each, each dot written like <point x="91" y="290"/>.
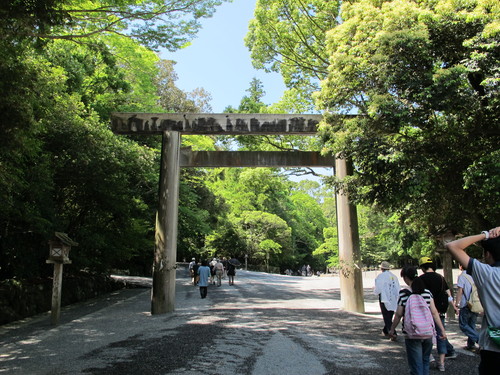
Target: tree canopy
<point x="65" y="67"/>
<point x="288" y="36"/>
<point x="423" y="78"/>
<point x="153" y="23"/>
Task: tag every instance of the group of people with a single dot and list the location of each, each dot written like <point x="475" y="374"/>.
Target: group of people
<point x="208" y="272"/>
<point x="305" y="270"/>
<point x="431" y="291"/>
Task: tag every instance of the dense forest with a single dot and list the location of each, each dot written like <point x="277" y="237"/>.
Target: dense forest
<point x="423" y="76"/>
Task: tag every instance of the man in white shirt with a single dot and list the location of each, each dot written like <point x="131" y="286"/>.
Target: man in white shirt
<point x="191" y="270"/>
<point x="387" y="289"/>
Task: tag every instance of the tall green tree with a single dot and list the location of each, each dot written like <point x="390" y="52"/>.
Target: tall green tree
<point x="173" y="99"/>
<point x="423" y="76"/>
<point x="308" y="222"/>
<point x="65" y="66"/>
<point x="328" y="252"/>
<point x="253" y="102"/>
<point x="154" y="23"/>
<point x="289" y="37"/>
<point x="268" y="237"/>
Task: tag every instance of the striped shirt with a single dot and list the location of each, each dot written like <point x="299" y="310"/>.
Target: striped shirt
<point x="404" y="294"/>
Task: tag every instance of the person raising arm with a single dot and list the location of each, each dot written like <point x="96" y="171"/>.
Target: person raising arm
<point x="487" y="280"/>
<point x="457" y="247"/>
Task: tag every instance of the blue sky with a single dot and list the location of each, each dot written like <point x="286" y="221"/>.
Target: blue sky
<point x="218" y="61"/>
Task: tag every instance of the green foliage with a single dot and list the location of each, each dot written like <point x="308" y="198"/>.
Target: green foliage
<point x="61" y="168"/>
<point x="253" y="103"/>
<point x="424" y="78"/>
<point x="22" y="18"/>
<point x="88" y="182"/>
<point x="328" y="252"/>
<point x="307" y="221"/>
<point x="482" y="179"/>
<point x="199" y="213"/>
<point x="266" y="236"/>
<point x="225" y="240"/>
<point x="288" y="36"/>
<point x="154" y="23"/>
<point x="423" y="75"/>
<point x="173" y="99"/>
<point x="261" y="207"/>
<point x="25" y="179"/>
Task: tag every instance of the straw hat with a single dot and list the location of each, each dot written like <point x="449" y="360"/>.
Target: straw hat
<point x="385" y="265"/>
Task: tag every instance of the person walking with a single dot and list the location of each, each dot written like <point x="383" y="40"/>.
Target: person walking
<point x="442" y="297"/>
<point x="231" y="272"/>
<point x="204" y="274"/>
<point x="191" y="270"/>
<point x="219" y="271"/>
<point x="387" y="289"/>
<point x="224" y="263"/>
<point x="195" y="273"/>
<point x="486" y="277"/>
<point x="467" y="319"/>
<point x="418" y="350"/>
<point x="212" y="270"/>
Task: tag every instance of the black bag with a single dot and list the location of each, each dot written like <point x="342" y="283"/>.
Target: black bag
<point x="441" y="300"/>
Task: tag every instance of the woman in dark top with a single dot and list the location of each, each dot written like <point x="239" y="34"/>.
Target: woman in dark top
<point x="231" y="272"/>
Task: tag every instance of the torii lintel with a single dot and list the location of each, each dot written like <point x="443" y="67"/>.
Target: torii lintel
<point x="215" y="123"/>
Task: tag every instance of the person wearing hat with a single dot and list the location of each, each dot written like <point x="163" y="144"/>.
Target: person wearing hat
<point x="387" y="289"/>
<point x="486" y="276"/>
<point x="192" y="270"/>
<point x="442" y="297"/>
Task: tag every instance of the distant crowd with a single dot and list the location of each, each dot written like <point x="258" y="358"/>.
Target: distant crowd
<point x="305" y="271"/>
<point x="212" y="272"/>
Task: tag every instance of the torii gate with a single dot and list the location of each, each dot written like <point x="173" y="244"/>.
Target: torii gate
<point x="173" y="125"/>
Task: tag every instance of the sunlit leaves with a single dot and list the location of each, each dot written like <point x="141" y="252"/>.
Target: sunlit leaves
<point x="288" y="36"/>
<point x="423" y="75"/>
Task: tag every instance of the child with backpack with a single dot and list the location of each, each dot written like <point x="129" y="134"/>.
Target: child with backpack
<point x="416" y="307"/>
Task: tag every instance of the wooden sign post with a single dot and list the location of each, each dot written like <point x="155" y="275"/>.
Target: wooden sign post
<point x="60" y="247"/>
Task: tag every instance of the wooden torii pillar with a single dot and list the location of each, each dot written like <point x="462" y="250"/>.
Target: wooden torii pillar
<point x="351" y="282"/>
<point x="172" y="125"/>
<point x="165" y="253"/>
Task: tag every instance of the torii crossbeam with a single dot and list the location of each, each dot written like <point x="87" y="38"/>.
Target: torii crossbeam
<point x="173" y="125"/>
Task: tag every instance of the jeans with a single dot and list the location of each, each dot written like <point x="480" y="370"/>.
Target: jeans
<point x="387" y="315"/>
<point x="443" y="346"/>
<point x="467" y="322"/>
<point x="203" y="291"/>
<point x="417" y="354"/>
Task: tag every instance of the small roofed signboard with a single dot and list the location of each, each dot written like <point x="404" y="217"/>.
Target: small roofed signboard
<point x="213" y="123"/>
<point x="60" y="247"/>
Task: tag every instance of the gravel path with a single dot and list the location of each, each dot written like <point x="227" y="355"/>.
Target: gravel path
<point x="264" y="324"/>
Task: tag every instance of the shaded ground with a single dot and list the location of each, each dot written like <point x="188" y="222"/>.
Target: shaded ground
<point x="265" y="324"/>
